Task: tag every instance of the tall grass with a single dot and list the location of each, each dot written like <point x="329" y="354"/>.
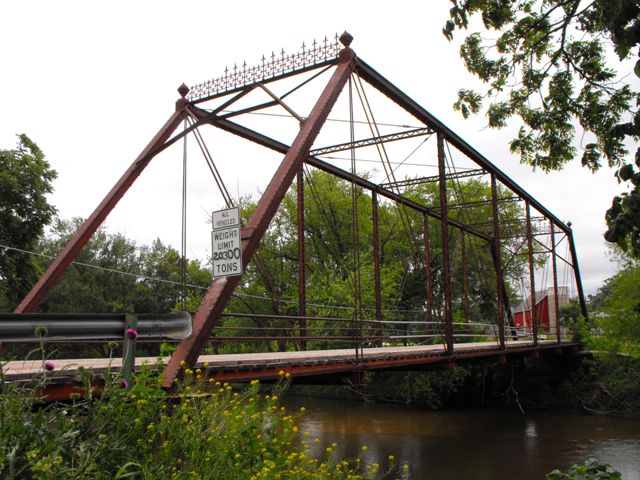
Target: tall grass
<point x="203" y="430"/>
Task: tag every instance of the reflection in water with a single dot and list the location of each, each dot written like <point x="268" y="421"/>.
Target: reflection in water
<point x="470" y="444"/>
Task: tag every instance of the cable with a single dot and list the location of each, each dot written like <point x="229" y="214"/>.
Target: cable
<point x="111" y="270"/>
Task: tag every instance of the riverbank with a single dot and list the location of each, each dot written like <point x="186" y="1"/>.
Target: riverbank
<point x="597" y="384"/>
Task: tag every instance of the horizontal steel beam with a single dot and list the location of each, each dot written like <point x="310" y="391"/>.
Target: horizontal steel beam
<point x="515" y="221"/>
<point x="73" y="327"/>
<point x="409" y="182"/>
<point x="373" y="78"/>
<point x="479" y="203"/>
<point x="277" y="146"/>
<point x="270" y="338"/>
<point x="418" y="132"/>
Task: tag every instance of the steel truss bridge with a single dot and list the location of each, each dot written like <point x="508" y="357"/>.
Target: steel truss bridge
<point x="439" y="333"/>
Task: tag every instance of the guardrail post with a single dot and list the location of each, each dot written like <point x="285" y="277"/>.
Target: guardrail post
<point x="129" y="347"/>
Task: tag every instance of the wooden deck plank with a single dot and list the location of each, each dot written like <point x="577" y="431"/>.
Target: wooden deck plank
<point x="67" y="368"/>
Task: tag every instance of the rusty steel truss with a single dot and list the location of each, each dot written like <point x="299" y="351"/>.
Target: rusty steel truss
<point x="338" y="59"/>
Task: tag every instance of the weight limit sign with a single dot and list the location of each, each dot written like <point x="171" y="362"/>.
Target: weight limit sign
<point x="226" y="250"/>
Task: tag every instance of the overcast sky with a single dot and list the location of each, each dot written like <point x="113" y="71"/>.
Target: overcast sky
<point x="92" y="82"/>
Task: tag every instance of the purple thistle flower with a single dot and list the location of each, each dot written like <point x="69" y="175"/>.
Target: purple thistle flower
<point x="124" y="384"/>
<point x="49" y="365"/>
<point x="132" y="333"/>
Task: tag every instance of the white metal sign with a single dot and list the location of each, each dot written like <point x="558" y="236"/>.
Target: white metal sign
<point x="229" y="217"/>
<point x="226" y="245"/>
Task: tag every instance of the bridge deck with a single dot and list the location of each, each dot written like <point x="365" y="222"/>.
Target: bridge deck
<point x="247" y="366"/>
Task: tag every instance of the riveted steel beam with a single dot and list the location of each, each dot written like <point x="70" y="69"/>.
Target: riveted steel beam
<point x="376" y="80"/>
<point x="277" y="146"/>
<point x="220" y="291"/>
<point x="50" y="277"/>
<point x="418" y="132"/>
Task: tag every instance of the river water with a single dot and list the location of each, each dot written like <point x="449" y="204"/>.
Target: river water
<point x="470" y="444"/>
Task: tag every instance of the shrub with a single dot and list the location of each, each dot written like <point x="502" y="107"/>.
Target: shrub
<point x="590" y="470"/>
<point x="206" y="430"/>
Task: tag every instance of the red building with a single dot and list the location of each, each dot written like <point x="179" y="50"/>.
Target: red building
<point x="544" y="309"/>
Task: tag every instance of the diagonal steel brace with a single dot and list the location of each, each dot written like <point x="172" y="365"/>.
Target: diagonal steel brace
<point x="220" y="291"/>
<point x="50" y="277"/>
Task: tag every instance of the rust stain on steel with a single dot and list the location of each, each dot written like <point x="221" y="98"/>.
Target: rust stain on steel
<point x="444" y="233"/>
<point x="497" y="260"/>
<point x="247" y="367"/>
<point x="219" y="293"/>
<point x="376" y="263"/>
<point x="302" y="278"/>
<point x="58" y="392"/>
<point x="532" y="277"/>
<point x="554" y="269"/>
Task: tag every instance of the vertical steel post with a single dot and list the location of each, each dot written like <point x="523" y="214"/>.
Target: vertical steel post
<point x="70" y="251"/>
<point x="427" y="268"/>
<point x="444" y="233"/>
<point x="576" y="272"/>
<point x="129" y="348"/>
<point x="220" y="290"/>
<point x="532" y="277"/>
<point x="554" y="267"/>
<point x="465" y="278"/>
<point x="302" y="279"/>
<point x="497" y="260"/>
<point x="376" y="265"/>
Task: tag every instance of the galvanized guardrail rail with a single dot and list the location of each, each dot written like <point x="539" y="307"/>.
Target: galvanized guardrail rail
<point x="82" y="327"/>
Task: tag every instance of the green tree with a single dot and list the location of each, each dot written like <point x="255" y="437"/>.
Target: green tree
<point x="91" y="284"/>
<point x="270" y="284"/>
<point x="25" y="180"/>
<point x="618" y="312"/>
<point x="113" y="274"/>
<point x="550" y="65"/>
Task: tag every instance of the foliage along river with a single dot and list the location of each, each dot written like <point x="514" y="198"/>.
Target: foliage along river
<point x="470" y="444"/>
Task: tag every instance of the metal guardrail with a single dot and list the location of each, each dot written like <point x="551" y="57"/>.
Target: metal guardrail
<point x="79" y="327"/>
<point x="73" y="327"/>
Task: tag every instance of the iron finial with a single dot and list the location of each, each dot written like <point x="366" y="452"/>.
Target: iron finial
<point x="346" y="38"/>
<point x="183" y="90"/>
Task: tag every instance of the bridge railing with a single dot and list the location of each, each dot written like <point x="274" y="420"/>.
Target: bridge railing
<point x="82" y="328"/>
<point x="270" y="331"/>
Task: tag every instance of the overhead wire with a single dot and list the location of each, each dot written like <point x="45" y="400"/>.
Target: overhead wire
<point x="354" y="228"/>
<point x="144" y="276"/>
<point x="384" y="158"/>
<point x="389" y="173"/>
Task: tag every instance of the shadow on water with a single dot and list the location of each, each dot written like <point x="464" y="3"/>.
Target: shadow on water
<point x="471" y="444"/>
